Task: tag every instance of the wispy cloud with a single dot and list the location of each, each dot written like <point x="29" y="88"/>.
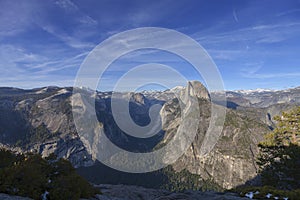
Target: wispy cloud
<point x="53" y="66"/>
<point x="251" y="70"/>
<point x="15" y="17"/>
<point x="44" y="40"/>
<point x="11" y="56"/>
<point x="235" y="15"/>
<point x="71" y="7"/>
<point x="71" y="41"/>
<point x="288" y="12"/>
<point x="275" y="26"/>
<point x="67" y="5"/>
<point x="20" y="66"/>
<point x="251" y="33"/>
<point x="35" y="82"/>
<point x="252" y="67"/>
<point x="271" y="75"/>
<point x="226" y="54"/>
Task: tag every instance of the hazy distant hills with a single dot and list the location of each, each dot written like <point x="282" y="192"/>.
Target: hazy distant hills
<point x="261" y="98"/>
<point x="41" y="120"/>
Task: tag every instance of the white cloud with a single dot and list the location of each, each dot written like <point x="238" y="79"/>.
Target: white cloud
<point x="35" y="82"/>
<point x="11" y="55"/>
<point x="259" y="33"/>
<point x="15" y="17"/>
<point x="20" y="68"/>
<point x="67" y="5"/>
<point x="275" y="26"/>
<point x="271" y="75"/>
<point x="225" y="54"/>
<point x="87" y="20"/>
<point x="235" y="16"/>
<point x="252" y="68"/>
<point x="71" y="41"/>
<point x="288" y="12"/>
<point x="60" y="64"/>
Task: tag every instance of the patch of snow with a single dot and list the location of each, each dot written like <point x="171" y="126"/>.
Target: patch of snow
<point x="249" y="195"/>
<point x="44" y="196"/>
<point x="177" y="89"/>
<point x="230" y="95"/>
<point x="258" y="90"/>
<point x="268" y="195"/>
<point x="87" y="89"/>
<point x="285" y="198"/>
<point x="42" y="91"/>
<point x="60" y="92"/>
<point x="63" y="91"/>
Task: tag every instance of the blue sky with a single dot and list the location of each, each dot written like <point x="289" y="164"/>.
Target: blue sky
<point x="255" y="44"/>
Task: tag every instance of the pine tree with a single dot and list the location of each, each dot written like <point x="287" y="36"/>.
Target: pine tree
<point x="279" y="157"/>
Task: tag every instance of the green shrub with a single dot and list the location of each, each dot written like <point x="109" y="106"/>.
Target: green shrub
<point x="184" y="180"/>
<point x="279" y="159"/>
<point x="31" y="175"/>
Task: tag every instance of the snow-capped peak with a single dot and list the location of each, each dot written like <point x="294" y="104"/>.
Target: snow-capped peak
<point x="258" y="90"/>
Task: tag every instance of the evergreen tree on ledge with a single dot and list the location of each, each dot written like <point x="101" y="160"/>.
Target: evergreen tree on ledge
<point x="279" y="157"/>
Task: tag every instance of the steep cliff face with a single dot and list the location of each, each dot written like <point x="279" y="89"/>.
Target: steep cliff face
<point x="41" y="120"/>
<point x="231" y="161"/>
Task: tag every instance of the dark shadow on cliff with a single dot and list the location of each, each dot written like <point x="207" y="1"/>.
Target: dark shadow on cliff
<point x="228" y="104"/>
<point x="140" y="115"/>
<point x="165" y="178"/>
<point x="281" y="177"/>
<point x="102" y="174"/>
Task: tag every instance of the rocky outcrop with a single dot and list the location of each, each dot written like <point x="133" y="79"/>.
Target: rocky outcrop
<point x="231" y="162"/>
<point x="41" y="120"/>
<point x="194" y="89"/>
<point x="10" y="197"/>
<point x="138" y="98"/>
<point x="125" y="192"/>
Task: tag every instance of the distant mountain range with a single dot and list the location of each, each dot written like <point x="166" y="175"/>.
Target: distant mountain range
<point x="261" y="98"/>
<point x="41" y="120"/>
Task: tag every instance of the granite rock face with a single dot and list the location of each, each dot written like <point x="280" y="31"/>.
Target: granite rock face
<point x="125" y="192"/>
<point x="10" y="197"/>
<point x="231" y="161"/>
<point x="194" y="89"/>
<point x="41" y="120"/>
